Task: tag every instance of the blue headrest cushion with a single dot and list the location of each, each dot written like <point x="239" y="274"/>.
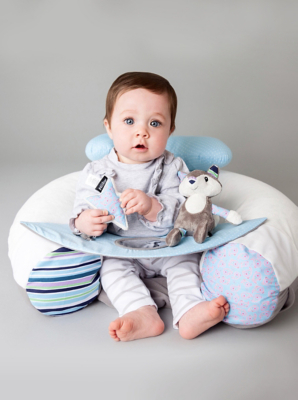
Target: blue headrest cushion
<point x="198" y="152"/>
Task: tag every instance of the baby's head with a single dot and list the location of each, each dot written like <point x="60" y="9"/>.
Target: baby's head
<point x="140" y="116"/>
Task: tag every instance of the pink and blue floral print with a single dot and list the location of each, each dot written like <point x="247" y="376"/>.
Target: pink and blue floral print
<point x="109" y="200"/>
<point x="245" y="278"/>
<point x="222" y="212"/>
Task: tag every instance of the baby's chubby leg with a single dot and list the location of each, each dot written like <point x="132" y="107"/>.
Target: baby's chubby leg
<point x="192" y="314"/>
<point x="138" y="317"/>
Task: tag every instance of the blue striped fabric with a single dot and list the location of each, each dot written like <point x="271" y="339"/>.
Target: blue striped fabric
<point x="64" y="281"/>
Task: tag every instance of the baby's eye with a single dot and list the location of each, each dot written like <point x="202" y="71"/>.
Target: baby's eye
<point x="129" y="121"/>
<point x="155" y="124"/>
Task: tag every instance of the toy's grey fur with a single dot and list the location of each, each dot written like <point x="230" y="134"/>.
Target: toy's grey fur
<point x="197" y="224"/>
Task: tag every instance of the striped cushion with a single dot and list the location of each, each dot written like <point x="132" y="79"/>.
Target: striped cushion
<point x="64" y="281"/>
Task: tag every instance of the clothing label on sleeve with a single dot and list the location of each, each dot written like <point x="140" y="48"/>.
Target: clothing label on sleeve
<point x="101" y="185"/>
<point x="92" y="180"/>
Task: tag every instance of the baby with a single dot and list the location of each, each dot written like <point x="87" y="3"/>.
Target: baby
<point x="140" y="117"/>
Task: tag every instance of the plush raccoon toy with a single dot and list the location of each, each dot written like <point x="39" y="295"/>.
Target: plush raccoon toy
<point x="196" y="214"/>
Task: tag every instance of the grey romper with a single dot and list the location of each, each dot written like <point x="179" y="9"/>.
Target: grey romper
<point x="121" y="278"/>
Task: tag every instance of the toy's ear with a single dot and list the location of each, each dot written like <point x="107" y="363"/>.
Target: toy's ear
<point x="181" y="175"/>
<point x="214" y="171"/>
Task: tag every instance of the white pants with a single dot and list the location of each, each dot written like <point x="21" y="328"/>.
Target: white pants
<point x="121" y="281"/>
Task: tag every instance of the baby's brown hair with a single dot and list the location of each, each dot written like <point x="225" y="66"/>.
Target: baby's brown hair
<point x="141" y="80"/>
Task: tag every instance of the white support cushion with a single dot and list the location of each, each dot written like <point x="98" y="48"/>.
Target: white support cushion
<point x="276" y="240"/>
<point x="51" y="203"/>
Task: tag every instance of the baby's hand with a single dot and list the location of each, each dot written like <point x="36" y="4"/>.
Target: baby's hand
<point x="136" y="201"/>
<point x="93" y="222"/>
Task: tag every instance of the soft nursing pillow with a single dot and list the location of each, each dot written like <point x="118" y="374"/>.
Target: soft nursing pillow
<point x="253" y="272"/>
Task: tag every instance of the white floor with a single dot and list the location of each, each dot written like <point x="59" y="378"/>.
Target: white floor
<point x="73" y="356"/>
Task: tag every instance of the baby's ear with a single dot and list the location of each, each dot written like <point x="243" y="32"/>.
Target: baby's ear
<point x="181" y="175"/>
<point x="107" y="126"/>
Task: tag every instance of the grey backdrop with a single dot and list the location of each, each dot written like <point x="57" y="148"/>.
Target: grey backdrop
<point x="233" y="64"/>
<point x="234" y="67"/>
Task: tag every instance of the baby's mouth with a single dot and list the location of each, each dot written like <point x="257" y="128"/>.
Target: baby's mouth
<point x="140" y="146"/>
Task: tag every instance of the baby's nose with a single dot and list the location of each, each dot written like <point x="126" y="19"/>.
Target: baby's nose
<point x="143" y="132"/>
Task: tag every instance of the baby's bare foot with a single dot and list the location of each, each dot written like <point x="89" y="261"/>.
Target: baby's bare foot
<point x="144" y="322"/>
<point x="202" y="317"/>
